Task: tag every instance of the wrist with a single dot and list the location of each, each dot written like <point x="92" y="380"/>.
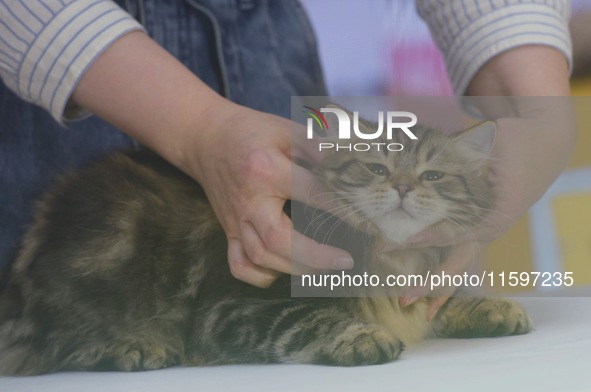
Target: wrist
<point x="144" y="91"/>
<point x="203" y="129"/>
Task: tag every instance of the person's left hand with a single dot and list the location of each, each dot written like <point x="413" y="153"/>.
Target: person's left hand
<point x="529" y="153"/>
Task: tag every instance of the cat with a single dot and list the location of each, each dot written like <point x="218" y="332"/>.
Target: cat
<point x="125" y="268"/>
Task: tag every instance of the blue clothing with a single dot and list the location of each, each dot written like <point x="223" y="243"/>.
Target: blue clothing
<point x="258" y="53"/>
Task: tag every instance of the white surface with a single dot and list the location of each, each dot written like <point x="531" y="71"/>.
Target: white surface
<point x="556" y="356"/>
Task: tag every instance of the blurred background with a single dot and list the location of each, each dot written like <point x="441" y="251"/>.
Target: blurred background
<point x="386" y="49"/>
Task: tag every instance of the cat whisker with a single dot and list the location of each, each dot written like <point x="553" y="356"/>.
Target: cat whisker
<point x="340" y="219"/>
<point x="337" y="210"/>
<point x="492" y="228"/>
<point x="330" y="213"/>
<point x="327" y="202"/>
<point x="460" y="225"/>
<point x="343" y="218"/>
<point x="332" y="229"/>
<point x="333" y="210"/>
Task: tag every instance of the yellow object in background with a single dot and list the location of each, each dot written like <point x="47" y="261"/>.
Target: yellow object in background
<point x="571" y="213"/>
<point x="581" y="87"/>
<point x="572" y="217"/>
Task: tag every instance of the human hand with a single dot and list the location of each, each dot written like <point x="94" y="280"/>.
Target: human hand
<point x="459" y="260"/>
<point x="535" y="138"/>
<point x="240" y="156"/>
<point x="245" y="167"/>
<point x="529" y="153"/>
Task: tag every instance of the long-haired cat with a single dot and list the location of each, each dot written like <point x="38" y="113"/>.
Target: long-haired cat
<point x="124" y="268"/>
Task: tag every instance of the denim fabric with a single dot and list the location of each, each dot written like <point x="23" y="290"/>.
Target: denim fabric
<point x="257" y="52"/>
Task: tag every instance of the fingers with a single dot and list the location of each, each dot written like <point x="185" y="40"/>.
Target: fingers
<point x="270" y="231"/>
<point x="306" y="188"/>
<point x="429" y="237"/>
<point x="265" y="239"/>
<point x="434" y="237"/>
<point x="458" y="261"/>
<point x="269" y="246"/>
<point x="292" y="181"/>
<point x="279" y="245"/>
<point x="436" y="304"/>
<point x="256" y="250"/>
<point x="245" y="270"/>
<point x="302" y="147"/>
<point x="310" y="253"/>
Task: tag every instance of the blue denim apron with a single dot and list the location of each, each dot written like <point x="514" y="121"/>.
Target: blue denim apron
<point x="258" y="53"/>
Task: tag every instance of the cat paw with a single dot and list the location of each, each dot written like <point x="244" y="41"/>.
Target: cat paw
<point x="87" y="357"/>
<point x="142" y="356"/>
<point x="484" y="317"/>
<point x="503" y="317"/>
<point x="362" y="345"/>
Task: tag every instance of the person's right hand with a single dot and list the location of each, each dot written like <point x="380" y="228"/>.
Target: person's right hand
<point x="241" y="157"/>
<point x="245" y="166"/>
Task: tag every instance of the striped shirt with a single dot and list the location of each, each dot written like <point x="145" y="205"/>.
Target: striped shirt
<point x="471" y="32"/>
<point x="47" y="45"/>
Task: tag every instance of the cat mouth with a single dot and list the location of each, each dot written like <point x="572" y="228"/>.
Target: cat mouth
<point x="401" y="210"/>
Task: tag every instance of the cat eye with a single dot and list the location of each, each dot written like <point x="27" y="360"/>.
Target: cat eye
<point x="378" y="169"/>
<point x="431" y="175"/>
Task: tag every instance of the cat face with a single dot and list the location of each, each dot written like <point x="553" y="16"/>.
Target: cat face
<point x="436" y="180"/>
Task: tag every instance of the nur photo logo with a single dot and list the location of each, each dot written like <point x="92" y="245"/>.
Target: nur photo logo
<point x="345" y="126"/>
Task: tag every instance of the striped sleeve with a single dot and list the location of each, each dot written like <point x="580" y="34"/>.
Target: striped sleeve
<point x="47" y="45"/>
<point x="471" y="32"/>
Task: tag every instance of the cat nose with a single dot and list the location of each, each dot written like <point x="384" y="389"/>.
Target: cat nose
<point x="402" y="189"/>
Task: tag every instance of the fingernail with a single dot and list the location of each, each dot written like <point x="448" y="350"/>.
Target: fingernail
<point x="343" y="263"/>
<point x="432" y="313"/>
<point x="417" y="238"/>
<point x="405" y="301"/>
<point x="389" y="247"/>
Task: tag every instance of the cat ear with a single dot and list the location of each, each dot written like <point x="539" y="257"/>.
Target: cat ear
<point x="480" y="137"/>
<point x="337" y="106"/>
<point x="332" y="120"/>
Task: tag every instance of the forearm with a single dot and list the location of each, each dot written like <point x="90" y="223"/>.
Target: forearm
<point x="532" y="70"/>
<point x="542" y="134"/>
<point x="536" y="128"/>
<point x="141" y="89"/>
